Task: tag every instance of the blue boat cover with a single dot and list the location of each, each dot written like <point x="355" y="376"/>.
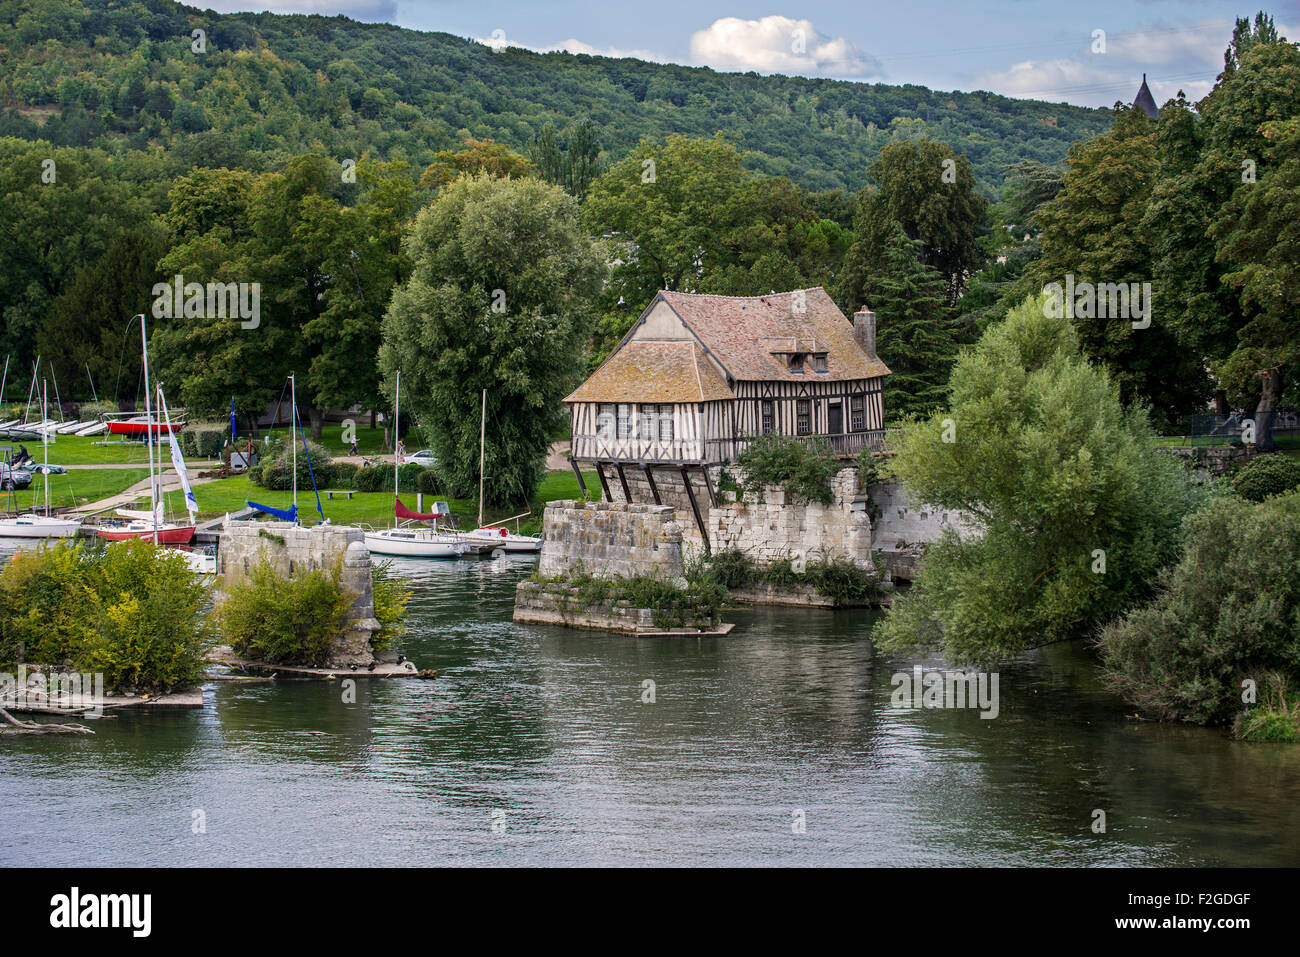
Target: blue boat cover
<point x="285" y="515"/>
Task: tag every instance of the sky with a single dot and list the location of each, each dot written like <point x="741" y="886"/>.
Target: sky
<point x="1088" y="53"/>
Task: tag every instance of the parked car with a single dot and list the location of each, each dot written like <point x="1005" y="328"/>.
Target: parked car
<point x="12" y="479"/>
<point x="424" y="457"/>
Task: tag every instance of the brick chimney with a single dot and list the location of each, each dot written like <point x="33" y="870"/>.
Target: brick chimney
<point x="864" y="330"/>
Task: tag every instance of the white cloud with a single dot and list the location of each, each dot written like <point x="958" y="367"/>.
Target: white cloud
<point x="778" y="45"/>
<point x="571" y="45"/>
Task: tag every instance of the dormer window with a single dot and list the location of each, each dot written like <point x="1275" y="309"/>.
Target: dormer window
<point x="819" y="362"/>
<point x="796" y="363"/>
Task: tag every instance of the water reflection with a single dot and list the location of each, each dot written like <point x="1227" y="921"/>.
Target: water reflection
<point x="534" y="745"/>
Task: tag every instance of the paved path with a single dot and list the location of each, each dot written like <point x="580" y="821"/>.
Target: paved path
<point x="140" y="488"/>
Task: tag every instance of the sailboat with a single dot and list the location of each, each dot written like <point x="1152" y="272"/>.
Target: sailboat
<point x="151" y="524"/>
<point x="42" y="525"/>
<point x="291" y="514"/>
<point x="494" y="537"/>
<point x="408" y="541"/>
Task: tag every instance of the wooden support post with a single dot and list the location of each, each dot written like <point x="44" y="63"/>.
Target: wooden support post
<point x="604" y="483"/>
<point x="695" y="507"/>
<point x="650" y="479"/>
<point x="578" y="474"/>
<point x="622" y="478"/>
<point x="708" y="484"/>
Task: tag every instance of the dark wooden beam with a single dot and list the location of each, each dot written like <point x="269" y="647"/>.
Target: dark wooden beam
<point x="650" y="479"/>
<point x="604" y="483"/>
<point x="578" y="474"/>
<point x="695" y="507"/>
<point x="622" y="478"/>
<point x="708" y="484"/>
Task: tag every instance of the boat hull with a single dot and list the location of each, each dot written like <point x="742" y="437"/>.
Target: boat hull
<point x="511" y="544"/>
<point x="38" y="527"/>
<point x="413" y="545"/>
<point x="169" y="535"/>
<point x="143" y="428"/>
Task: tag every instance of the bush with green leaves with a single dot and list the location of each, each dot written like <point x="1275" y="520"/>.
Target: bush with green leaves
<point x="1228" y="612"/>
<point x="838" y="579"/>
<point x="275" y="471"/>
<point x="428" y="482"/>
<point x="1266" y="475"/>
<point x="129" y="610"/>
<point x="285" y="621"/>
<point x="343" y="475"/>
<point x="1277" y="719"/>
<point x="203" y="443"/>
<point x="803" y="469"/>
<point x="391" y="596"/>
<point x="1078" y="515"/>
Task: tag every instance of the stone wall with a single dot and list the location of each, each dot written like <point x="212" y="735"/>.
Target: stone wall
<point x="770" y="527"/>
<point x="293" y="550"/>
<point x="610" y="539"/>
<point x="1210" y="461"/>
<point x="902" y="527"/>
<point x="556" y="603"/>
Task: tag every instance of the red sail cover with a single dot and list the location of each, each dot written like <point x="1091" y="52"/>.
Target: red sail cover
<point x="403" y="512"/>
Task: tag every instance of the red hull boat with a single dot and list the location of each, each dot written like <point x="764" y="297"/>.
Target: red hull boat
<point x="167" y="534"/>
<point x="142" y="426"/>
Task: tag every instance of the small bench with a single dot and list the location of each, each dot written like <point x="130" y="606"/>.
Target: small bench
<point x="347" y="492"/>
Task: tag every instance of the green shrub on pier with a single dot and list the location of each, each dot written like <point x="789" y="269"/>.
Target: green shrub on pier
<point x="803" y="469"/>
<point x="129" y="610"/>
<point x="285" y="621"/>
<point x="671" y="605"/>
<point x="837" y="579"/>
<point x="391" y="596"/>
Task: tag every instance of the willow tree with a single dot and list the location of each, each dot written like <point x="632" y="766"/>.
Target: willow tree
<point x="500" y="297"/>
<point x="1078" y="514"/>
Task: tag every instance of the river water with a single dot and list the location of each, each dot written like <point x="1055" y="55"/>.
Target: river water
<point x="778" y="744"/>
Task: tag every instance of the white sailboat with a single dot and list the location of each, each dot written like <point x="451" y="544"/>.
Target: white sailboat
<point x="493" y="537"/>
<point x="40" y="525"/>
<point x="150" y="524"/>
<point x="409" y="541"/>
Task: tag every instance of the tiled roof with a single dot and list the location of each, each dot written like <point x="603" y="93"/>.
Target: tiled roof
<point x="654" y="371"/>
<point x="742" y="333"/>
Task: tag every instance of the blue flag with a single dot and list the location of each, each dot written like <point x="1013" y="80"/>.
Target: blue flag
<point x="234" y="432"/>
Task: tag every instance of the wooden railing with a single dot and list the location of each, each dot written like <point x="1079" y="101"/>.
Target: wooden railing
<point x="597" y="448"/>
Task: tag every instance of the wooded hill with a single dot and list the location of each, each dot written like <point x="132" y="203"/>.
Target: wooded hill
<point x="124" y="76"/>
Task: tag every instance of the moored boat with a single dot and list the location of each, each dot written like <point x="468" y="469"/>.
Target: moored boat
<point x="494" y="536"/>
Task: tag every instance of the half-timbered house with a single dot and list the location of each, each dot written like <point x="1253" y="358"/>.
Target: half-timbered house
<point x="698" y="377"/>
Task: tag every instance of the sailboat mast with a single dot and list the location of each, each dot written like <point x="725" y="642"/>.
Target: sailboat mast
<point x="293" y="433"/>
<point x="148" y="429"/>
<point x="93" y="393"/>
<point x="45" y="445"/>
<point x="482" y="434"/>
<point x="397" y="442"/>
<point x="4" y="380"/>
<point x="27" y="410"/>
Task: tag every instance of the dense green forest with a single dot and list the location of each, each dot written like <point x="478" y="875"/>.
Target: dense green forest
<point x="125" y="76"/>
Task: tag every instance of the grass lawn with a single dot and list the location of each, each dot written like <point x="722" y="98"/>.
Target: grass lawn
<point x="78" y="486"/>
<point x="376" y="508"/>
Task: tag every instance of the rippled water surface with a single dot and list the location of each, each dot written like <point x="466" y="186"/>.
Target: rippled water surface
<point x="533" y="746"/>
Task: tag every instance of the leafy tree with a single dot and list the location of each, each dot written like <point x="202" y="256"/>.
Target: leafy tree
<point x="500" y="298"/>
<point x="916" y="337"/>
<point x="477" y="156"/>
<point x="88" y="326"/>
<point x="930" y="191"/>
<point x="1227" y="612"/>
<point x="1092" y="231"/>
<point x="1077" y="514"/>
<point x="573" y="164"/>
<point x="687" y="215"/>
<point x="59" y="210"/>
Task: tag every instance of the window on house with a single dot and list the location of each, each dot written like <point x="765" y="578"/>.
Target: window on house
<point x="605" y="420"/>
<point x="768" y="413"/>
<point x="647" y="422"/>
<point x="819" y="362"/>
<point x="803" y="417"/>
<point x="665" y="423"/>
<point x="624" y="421"/>
<point x="796" y="363"/>
<point x="857" y="412"/>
